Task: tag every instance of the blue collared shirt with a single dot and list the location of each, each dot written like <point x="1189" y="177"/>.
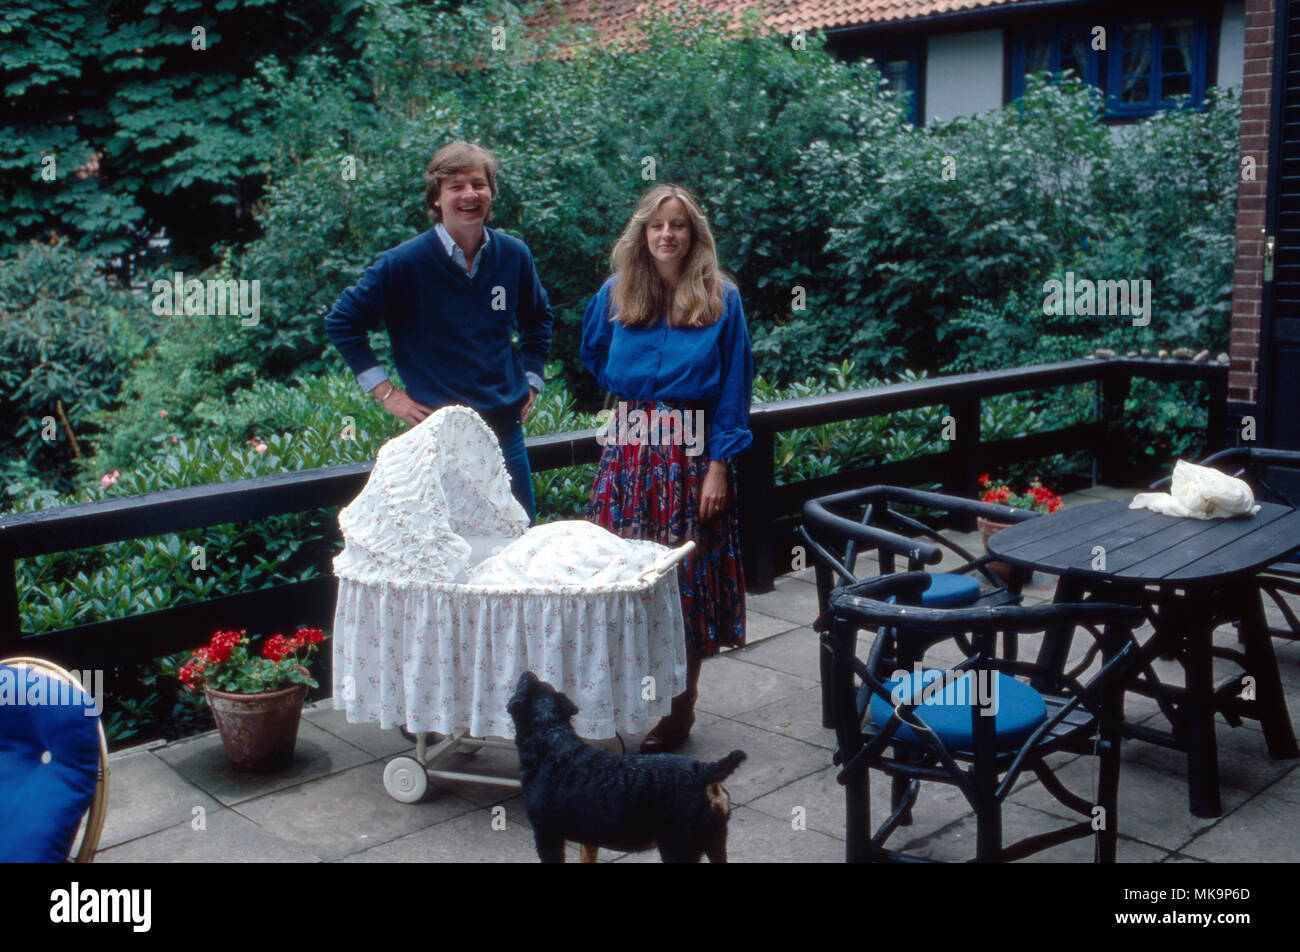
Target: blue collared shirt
<point x="454" y="250"/>
<point x="713" y="364"/>
<point x="373" y="377"/>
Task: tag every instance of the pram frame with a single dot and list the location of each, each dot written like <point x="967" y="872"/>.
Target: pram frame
<point x="406" y="778"/>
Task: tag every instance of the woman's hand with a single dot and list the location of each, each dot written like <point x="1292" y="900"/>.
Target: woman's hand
<point x="713" y="494"/>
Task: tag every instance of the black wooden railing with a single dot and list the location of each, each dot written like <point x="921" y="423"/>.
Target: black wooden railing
<point x="763" y="503"/>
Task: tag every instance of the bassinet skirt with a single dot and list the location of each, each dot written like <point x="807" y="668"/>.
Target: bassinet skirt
<point x="651" y="490"/>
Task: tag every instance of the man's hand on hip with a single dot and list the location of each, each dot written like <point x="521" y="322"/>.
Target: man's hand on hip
<point x="528" y="407"/>
<point x="400" y="405"/>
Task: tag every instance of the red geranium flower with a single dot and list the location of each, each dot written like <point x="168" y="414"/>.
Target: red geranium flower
<point x="276" y="647"/>
<point x="307" y="636"/>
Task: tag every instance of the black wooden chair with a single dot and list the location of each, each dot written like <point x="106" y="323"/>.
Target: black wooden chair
<point x="983" y="728"/>
<point x="878" y="525"/>
<point x="1274" y="476"/>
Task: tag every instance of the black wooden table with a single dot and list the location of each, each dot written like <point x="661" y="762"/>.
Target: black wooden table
<point x="1192" y="575"/>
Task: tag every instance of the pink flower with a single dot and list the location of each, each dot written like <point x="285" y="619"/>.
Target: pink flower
<point x="162" y="413"/>
<point x="174" y="440"/>
<point x="259" y="447"/>
<point x="109" y="479"/>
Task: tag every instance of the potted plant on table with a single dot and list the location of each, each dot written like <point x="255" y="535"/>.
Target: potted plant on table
<point x="1037" y="498"/>
<point x="256" y="701"/>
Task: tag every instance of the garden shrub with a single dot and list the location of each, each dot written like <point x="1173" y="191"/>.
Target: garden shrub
<point x="65" y="331"/>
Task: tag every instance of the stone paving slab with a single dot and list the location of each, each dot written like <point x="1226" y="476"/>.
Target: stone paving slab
<point x="202" y="761"/>
<point x="1261" y="831"/>
<point x="1152" y="802"/>
<point x="145" y="795"/>
<point x="797" y="715"/>
<point x="772" y="760"/>
<point x="468" y="838"/>
<point x="370" y="738"/>
<point x="760" y="627"/>
<point x="728" y="691"/>
<point x="346" y="813"/>
<point x="226" y="837"/>
<point x="797" y="654"/>
<point x="957" y="842"/>
<point x="791" y="599"/>
<point x="755" y="837"/>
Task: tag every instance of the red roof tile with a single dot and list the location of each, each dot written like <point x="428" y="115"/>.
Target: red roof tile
<point x="616" y="17"/>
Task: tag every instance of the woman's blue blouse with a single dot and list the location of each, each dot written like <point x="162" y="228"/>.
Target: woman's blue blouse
<point x="710" y="364"/>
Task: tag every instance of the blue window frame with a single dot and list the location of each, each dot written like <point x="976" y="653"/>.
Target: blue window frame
<point x="900" y="68"/>
<point x="1056" y="50"/>
<point x="1148" y="62"/>
<point x="1152" y="62"/>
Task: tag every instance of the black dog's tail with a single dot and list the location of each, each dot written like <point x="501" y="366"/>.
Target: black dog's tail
<point x="721" y="769"/>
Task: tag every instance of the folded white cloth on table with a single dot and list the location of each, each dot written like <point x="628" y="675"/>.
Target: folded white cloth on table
<point x="1200" y="492"/>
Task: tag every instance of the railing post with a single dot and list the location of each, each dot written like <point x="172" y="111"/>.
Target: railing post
<point x="964" y="458"/>
<point x="1216" y="423"/>
<point x="1110" y="455"/>
<point x="756" y="485"/>
<point x="10" y="623"/>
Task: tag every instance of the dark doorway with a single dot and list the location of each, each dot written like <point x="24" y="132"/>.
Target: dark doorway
<point x="1279" y="367"/>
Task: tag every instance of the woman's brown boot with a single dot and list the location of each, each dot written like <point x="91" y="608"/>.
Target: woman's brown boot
<point x="671" y="731"/>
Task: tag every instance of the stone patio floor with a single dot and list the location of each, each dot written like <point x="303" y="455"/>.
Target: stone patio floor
<point x="178" y="802"/>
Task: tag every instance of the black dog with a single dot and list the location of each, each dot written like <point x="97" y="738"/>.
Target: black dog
<point x="631" y="802"/>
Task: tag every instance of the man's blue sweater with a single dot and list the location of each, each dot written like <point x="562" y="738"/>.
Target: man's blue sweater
<point x="451" y="333"/>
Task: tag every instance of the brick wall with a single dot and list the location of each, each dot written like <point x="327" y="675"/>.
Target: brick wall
<point x="1256" y="92"/>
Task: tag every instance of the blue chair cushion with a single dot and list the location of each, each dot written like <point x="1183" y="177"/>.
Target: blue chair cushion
<point x="1017" y="708"/>
<point x="948" y="590"/>
<point x="49" y="762"/>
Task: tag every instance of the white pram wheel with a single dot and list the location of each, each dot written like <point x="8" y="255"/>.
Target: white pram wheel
<point x="405" y="780"/>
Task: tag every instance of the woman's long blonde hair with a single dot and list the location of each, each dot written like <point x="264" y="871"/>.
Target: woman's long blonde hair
<point x="639" y="294"/>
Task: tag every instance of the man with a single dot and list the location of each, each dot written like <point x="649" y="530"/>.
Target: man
<point x="450" y="300"/>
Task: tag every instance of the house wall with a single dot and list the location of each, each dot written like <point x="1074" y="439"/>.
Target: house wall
<point x="963" y="73"/>
<point x="1232" y="43"/>
<point x="1257" y="90"/>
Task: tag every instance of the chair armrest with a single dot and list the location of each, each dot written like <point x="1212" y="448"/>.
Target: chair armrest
<point x="822" y="523"/>
<point x="939" y="502"/>
<point x="861" y="600"/>
<point x="821" y="520"/>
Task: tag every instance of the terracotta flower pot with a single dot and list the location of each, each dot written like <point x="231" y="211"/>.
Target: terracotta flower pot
<point x="259" y="731"/>
<point x="987" y="527"/>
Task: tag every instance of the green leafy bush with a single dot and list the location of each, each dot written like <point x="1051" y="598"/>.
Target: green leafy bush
<point x="65" y="331"/>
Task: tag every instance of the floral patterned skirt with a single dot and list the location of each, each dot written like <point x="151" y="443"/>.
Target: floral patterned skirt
<point x="651" y="490"/>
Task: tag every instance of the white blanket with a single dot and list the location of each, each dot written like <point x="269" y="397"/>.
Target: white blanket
<point x="1200" y="492"/>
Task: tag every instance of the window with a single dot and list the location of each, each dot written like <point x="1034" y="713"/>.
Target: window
<point x="1157" y="61"/>
<point x="1146" y="65"/>
<point x="1067" y="50"/>
<point x="899" y="67"/>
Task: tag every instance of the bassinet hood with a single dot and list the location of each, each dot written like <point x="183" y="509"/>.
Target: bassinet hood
<point x="443" y="479"/>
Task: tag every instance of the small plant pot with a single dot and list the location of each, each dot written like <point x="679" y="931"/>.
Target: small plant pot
<point x="987" y="527"/>
<point x="259" y="731"/>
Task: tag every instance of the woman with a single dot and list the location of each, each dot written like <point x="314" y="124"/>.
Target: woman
<point x="666" y="335"/>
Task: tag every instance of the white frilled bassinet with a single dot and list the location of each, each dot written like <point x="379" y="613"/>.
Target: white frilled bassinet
<point x="446" y="597"/>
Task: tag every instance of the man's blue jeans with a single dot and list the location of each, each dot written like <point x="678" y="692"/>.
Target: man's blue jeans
<point x="511" y="437"/>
